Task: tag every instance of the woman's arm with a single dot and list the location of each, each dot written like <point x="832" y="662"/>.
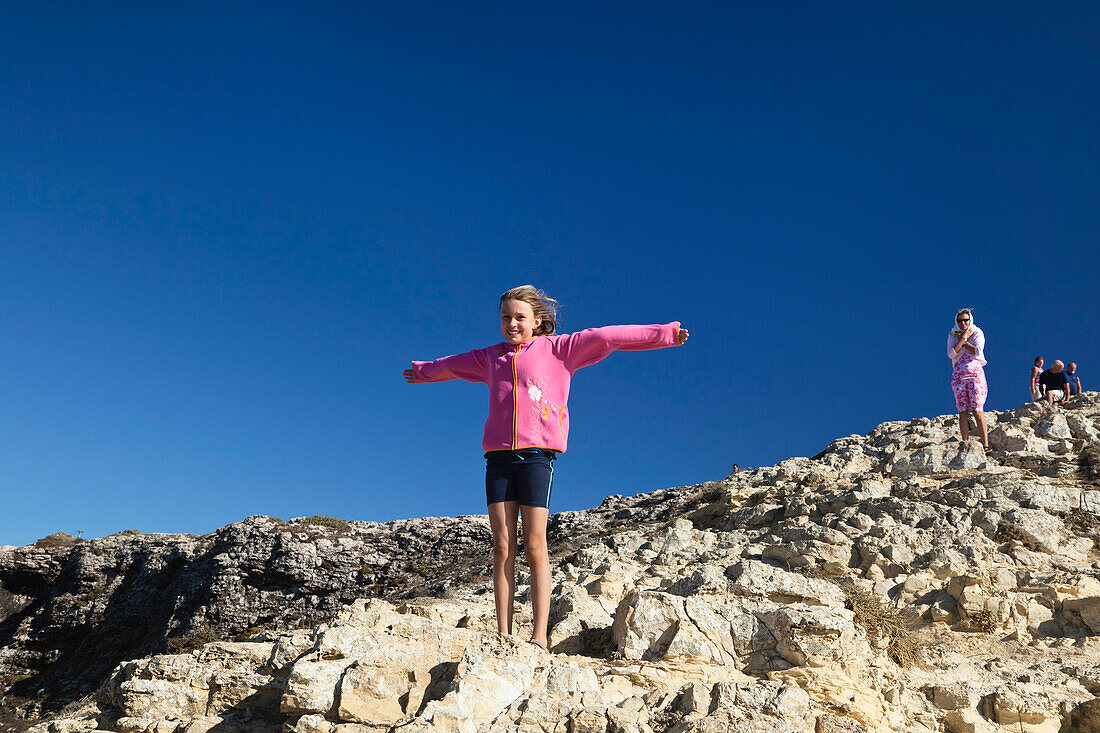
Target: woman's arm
<point x="954" y="346"/>
<point x="978" y="344"/>
<point x="975" y="346"/>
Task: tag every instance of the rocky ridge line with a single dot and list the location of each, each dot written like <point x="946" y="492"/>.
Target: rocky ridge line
<point x="769" y="601"/>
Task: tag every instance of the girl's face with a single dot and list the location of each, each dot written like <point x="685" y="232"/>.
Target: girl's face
<point x="517" y="321"/>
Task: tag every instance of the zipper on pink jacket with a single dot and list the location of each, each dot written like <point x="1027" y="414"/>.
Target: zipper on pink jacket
<point x="515" y="394"/>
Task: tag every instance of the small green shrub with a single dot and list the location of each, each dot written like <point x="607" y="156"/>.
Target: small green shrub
<point x="248" y="633"/>
<point x="323" y="520"/>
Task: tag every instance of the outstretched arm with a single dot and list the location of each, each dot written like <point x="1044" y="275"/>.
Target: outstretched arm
<point x="587" y="347"/>
<point x="472" y="366"/>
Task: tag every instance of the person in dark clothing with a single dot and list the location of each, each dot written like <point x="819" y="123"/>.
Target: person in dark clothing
<point x="1055" y="383"/>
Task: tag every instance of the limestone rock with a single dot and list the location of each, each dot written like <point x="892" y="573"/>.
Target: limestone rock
<point x="786" y="598"/>
<point x="1015" y="439"/>
<point x="1046" y="532"/>
<point x="1082" y="427"/>
<point x="1053" y="426"/>
<point x="936" y="458"/>
<point x="1086" y="609"/>
<point x="968" y="721"/>
<point x="654" y="625"/>
<point x="761" y="580"/>
<point x="577" y="622"/>
<point x="1025" y="710"/>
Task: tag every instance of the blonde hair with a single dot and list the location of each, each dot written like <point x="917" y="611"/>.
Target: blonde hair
<point x="967" y="312"/>
<point x="542" y="304"/>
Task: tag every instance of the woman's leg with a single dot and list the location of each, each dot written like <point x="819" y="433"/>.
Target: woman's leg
<point x="502" y="519"/>
<point x="538" y="561"/>
<point x="964" y="424"/>
<point x="983" y="433"/>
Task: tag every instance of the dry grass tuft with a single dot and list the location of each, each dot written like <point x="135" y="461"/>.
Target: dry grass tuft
<point x="983" y="621"/>
<point x="195" y="638"/>
<point x="1088" y="462"/>
<point x="883" y="622"/>
<point x="1085" y="521"/>
<point x="57" y="540"/>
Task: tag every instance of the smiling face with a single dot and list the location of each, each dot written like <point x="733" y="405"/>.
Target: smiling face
<point x="517" y="321"/>
<point x="963" y="321"/>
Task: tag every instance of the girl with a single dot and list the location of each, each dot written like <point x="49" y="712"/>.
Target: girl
<point x="528" y="376"/>
<point x="966" y="350"/>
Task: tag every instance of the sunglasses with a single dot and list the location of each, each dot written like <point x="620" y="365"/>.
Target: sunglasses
<point x="962" y="320"/>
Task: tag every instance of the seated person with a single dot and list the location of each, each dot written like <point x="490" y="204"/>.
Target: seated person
<point x="1055" y="383"/>
<point x="1074" y="378"/>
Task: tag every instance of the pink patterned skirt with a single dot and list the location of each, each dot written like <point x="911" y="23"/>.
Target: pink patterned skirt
<point x="968" y="384"/>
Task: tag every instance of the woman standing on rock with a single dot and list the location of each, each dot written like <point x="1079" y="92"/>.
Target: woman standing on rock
<point x="528" y="377"/>
<point x="1036" y="393"/>
<point x="966" y="349"/>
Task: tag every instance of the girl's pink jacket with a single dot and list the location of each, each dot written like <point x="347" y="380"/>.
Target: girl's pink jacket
<point x="529" y="383"/>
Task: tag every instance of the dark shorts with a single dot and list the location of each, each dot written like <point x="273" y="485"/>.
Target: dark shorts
<point x="524" y="476"/>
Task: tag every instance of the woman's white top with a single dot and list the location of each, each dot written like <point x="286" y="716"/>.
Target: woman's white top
<point x="977" y="340"/>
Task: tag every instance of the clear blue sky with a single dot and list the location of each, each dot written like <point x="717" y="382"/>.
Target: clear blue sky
<point x="227" y="227"/>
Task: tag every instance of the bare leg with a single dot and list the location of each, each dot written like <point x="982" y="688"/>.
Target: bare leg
<point x="502" y="519"/>
<point x="538" y="561"/>
<point x="983" y="432"/>
<point x="964" y="425"/>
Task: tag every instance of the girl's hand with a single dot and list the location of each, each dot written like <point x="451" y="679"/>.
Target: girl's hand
<point x="681" y="336"/>
<point x="409" y="376"/>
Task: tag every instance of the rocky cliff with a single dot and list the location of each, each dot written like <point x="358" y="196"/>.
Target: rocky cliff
<point x="897" y="581"/>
